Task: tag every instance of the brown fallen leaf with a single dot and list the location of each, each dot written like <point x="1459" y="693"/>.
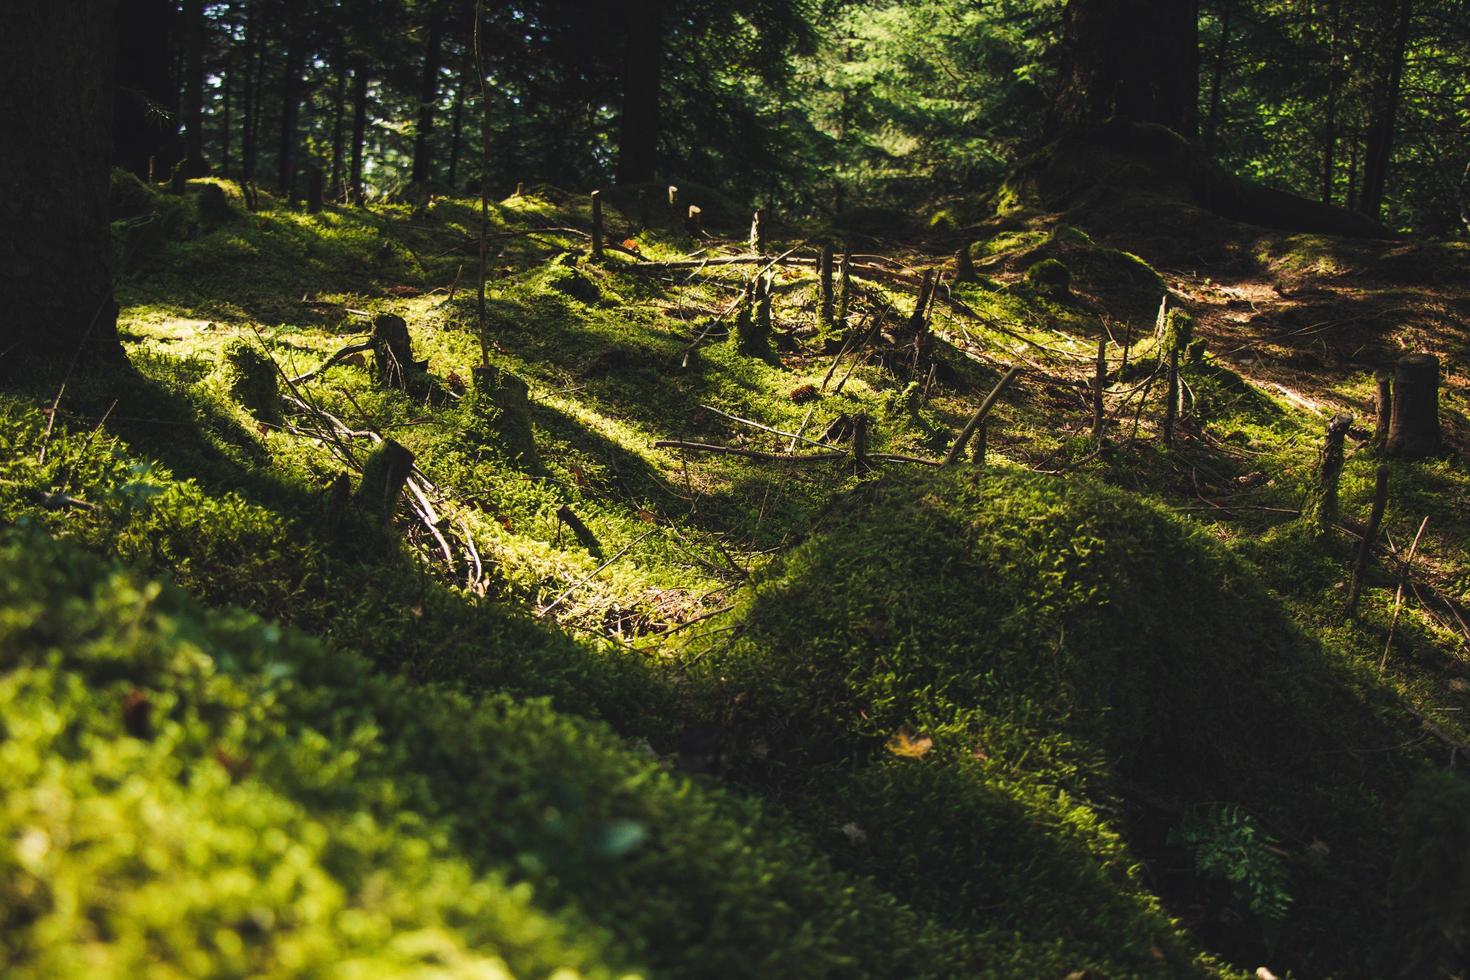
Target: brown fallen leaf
<point x="905" y="743"/>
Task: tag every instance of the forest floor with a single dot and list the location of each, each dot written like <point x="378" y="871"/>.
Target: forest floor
<point x="1091" y="705"/>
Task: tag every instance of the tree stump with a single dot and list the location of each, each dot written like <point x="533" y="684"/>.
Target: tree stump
<point x="1321" y="508"/>
<point x="824" y="288"/>
<point x="314" y="190"/>
<point x="693" y="220"/>
<point x="501" y="403"/>
<point x="383" y="475"/>
<point x="1413" y="431"/>
<point x="964" y="268"/>
<point x="393" y="352"/>
<point x="751" y="333"/>
<point x="757" y="239"/>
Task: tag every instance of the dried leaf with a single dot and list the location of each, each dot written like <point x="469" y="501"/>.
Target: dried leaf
<point x="905" y="743"/>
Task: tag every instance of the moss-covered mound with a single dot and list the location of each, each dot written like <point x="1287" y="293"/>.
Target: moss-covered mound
<point x="192" y="794"/>
<point x="1067" y="660"/>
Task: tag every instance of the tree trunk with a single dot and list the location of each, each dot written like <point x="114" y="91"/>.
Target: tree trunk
<point x="192" y="107"/>
<point x="423" y="156"/>
<point x="359" y="130"/>
<point x="638" y="131"/>
<point x="1329" y="133"/>
<point x="339" y="115"/>
<point x="145" y="92"/>
<point x="1222" y="51"/>
<point x="56" y="70"/>
<point x="248" y="99"/>
<point x="1134" y="59"/>
<point x="1385" y="110"/>
<point x="227" y="80"/>
<point x="290" y="110"/>
<point x="456" y="132"/>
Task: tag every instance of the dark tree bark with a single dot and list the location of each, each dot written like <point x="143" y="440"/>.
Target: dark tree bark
<point x="1134" y="59"/>
<point x="226" y="131"/>
<point x="290" y="110"/>
<point x="146" y="101"/>
<point x="56" y="70"/>
<point x="359" y="130"/>
<point x="1334" y="85"/>
<point x="192" y="106"/>
<point x="339" y="116"/>
<point x="638" y="131"/>
<point x="456" y="132"/>
<point x="1379" y="149"/>
<point x="1222" y="52"/>
<point x="423" y="153"/>
<point x="249" y="99"/>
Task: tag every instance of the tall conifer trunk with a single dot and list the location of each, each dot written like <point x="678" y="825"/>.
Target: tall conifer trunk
<point x="643" y="53"/>
<point x="56" y="70"/>
<point x="1134" y="59"/>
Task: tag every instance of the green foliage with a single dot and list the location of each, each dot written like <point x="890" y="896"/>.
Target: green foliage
<point x="1229" y="845"/>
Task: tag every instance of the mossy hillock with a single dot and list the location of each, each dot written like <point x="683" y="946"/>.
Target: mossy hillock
<point x="1058" y="641"/>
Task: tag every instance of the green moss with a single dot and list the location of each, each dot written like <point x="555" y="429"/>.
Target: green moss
<point x="252" y="380"/>
<point x="1050" y="276"/>
<point x="1061" y="635"/>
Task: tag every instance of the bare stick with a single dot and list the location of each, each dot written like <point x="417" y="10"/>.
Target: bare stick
<point x="704" y="447"/>
<point x="595" y="572"/>
<point x="484" y="180"/>
<point x="1370" y="538"/>
<point x="341" y="355"/>
<point x="1398" y="599"/>
<point x="1098" y="384"/>
<point x="766" y="428"/>
<point x="980" y="414"/>
<point x="597" y="224"/>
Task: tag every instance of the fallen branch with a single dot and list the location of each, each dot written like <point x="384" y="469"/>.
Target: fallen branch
<point x="595" y="572"/>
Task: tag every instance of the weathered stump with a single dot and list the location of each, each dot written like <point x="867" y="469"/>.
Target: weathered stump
<point x="694" y="220"/>
<point x="752" y="331"/>
<point x="393" y="352"/>
<point x="1413" y="431"/>
<point x="964" y="268"/>
<point x="1320" y="511"/>
<point x="757" y="238"/>
<point x="384" y="473"/>
<point x="501" y="402"/>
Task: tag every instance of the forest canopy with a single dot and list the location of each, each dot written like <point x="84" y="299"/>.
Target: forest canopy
<point x="810" y="106"/>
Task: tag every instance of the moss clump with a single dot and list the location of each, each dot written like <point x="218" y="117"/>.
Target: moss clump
<point x="1050" y="277"/>
<point x="213" y="205"/>
<point x="562" y="275"/>
<point x="127" y="196"/>
<point x="203" y="794"/>
<point x="252" y="381"/>
<point x="497" y="410"/>
<point x="1061" y="634"/>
